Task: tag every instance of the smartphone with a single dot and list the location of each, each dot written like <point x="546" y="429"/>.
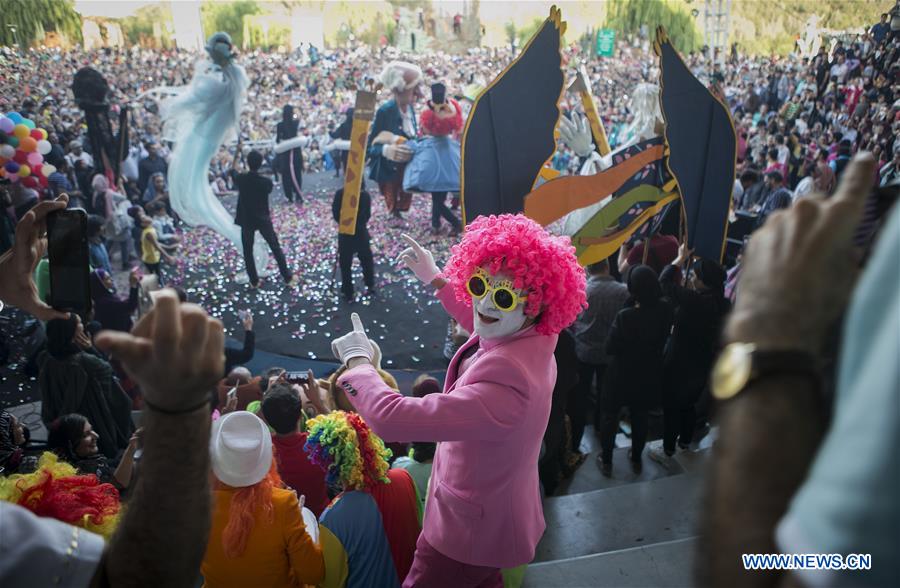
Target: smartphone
<point x="296" y="377"/>
<point x="70" y="269"/>
<point x="231" y="394"/>
<point x="438" y="93"/>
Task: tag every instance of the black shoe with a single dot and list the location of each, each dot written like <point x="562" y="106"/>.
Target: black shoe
<point x="370" y="293"/>
<point x="637" y="466"/>
<point x="605" y="468"/>
<point x="349" y="298"/>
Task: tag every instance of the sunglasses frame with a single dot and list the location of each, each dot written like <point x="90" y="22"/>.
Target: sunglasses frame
<point x="491" y="289"/>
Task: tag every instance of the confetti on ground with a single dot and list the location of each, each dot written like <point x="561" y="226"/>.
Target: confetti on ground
<point x="302" y="321"/>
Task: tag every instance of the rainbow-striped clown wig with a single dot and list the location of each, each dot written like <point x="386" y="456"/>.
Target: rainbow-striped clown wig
<point x="353" y="457"/>
<point x="56" y="491"/>
<point x="543" y="264"/>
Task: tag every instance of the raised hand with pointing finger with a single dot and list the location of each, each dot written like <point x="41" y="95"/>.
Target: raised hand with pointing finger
<point x="419" y="260"/>
<point x="353" y="345"/>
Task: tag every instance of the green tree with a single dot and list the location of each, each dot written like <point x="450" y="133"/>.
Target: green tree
<point x="141" y="27"/>
<point x="629" y="16"/>
<point x="32" y="19"/>
<point x="772" y="26"/>
<point x="526" y="32"/>
<point x="227" y="17"/>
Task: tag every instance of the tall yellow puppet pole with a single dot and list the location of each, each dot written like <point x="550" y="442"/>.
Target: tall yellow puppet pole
<point x="363" y="113"/>
<point x="580" y="85"/>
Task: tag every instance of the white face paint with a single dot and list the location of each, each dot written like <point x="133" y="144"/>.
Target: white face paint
<point x="490" y="321"/>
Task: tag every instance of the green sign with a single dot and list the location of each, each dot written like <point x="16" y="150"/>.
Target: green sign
<point x="606" y="42"/>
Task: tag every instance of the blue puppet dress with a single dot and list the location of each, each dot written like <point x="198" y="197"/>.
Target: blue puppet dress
<point x="434" y="168"/>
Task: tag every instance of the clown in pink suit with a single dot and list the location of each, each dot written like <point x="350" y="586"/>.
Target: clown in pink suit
<point x="514" y="286"/>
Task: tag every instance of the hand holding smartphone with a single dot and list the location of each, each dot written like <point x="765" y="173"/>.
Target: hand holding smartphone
<point x="69" y="254"/>
<point x="296" y="378"/>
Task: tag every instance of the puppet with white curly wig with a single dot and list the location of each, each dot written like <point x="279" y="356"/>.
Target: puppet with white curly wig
<point x="394" y="124"/>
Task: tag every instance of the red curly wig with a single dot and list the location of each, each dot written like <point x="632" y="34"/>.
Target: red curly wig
<point x="439" y="126"/>
<point x="542" y="264"/>
<point x="77" y="500"/>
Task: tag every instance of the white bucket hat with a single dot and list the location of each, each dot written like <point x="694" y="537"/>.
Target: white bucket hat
<point x="241" y="449"/>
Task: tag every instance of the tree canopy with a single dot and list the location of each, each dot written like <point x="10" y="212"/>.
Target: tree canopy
<point x="32" y="19"/>
<point x="629" y="17"/>
<point x="228" y="17"/>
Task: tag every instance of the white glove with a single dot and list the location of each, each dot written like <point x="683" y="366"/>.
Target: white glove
<point x="376" y="357"/>
<point x="419" y="260"/>
<point x="354" y="344"/>
<point x="397" y="153"/>
<point x="576" y="133"/>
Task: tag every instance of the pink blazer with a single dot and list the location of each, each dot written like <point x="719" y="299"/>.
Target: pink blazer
<point x="484" y="504"/>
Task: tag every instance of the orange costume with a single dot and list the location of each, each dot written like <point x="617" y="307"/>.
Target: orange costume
<point x="279" y="551"/>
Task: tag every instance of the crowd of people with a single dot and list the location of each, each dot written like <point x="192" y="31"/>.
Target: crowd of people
<point x="325" y="480"/>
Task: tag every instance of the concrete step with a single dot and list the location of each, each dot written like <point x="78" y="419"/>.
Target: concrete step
<point x="662" y="565"/>
<point x="588" y="477"/>
<point x="621" y="517"/>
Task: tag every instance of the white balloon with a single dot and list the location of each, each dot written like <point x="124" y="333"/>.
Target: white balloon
<point x="47" y="170"/>
<point x="44" y="147"/>
<point x="7" y="151"/>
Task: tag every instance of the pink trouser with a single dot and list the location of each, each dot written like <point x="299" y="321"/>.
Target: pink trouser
<point x="433" y="569"/>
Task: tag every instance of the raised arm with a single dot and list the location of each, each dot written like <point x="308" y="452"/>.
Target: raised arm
<point x="421" y="262"/>
<point x="175" y="354"/>
<point x="486" y="410"/>
<point x="770" y="431"/>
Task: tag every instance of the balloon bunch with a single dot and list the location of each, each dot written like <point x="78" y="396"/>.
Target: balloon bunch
<point x="22" y="151"/>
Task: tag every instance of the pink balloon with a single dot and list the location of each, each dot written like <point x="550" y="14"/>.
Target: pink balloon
<point x="34" y="158"/>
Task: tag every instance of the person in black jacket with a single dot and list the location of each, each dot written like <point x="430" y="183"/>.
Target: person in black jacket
<point x="554" y="462"/>
<point x="358" y="244"/>
<point x="700" y="311"/>
<point x="290" y="163"/>
<point x="252" y="215"/>
<point x="634" y="377"/>
<point x="342" y="133"/>
<point x="240" y="355"/>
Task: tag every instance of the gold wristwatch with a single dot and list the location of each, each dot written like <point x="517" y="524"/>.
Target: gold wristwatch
<point x="739" y="364"/>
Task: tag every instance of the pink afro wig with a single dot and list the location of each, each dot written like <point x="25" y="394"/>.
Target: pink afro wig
<point x="439" y="126"/>
<point x="538" y="262"/>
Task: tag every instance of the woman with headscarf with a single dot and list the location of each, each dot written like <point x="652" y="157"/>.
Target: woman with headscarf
<point x="111" y="311"/>
<point x="75" y="441"/>
<point x="634" y="376"/>
<point x="113" y="207"/>
<point x="13" y="439"/>
<point x="73" y="380"/>
<point x="700" y="310"/>
<point x="156" y="190"/>
<point x="290" y="160"/>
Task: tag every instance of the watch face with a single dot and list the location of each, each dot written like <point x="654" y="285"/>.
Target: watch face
<point x="732" y="370"/>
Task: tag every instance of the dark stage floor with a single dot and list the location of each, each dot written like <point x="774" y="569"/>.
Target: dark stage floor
<point x="406" y="321"/>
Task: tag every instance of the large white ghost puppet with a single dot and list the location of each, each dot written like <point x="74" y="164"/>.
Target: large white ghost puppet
<point x="202" y="116"/>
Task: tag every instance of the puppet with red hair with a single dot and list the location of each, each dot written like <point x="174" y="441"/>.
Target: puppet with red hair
<point x="515" y="287"/>
<point x="435" y="164"/>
